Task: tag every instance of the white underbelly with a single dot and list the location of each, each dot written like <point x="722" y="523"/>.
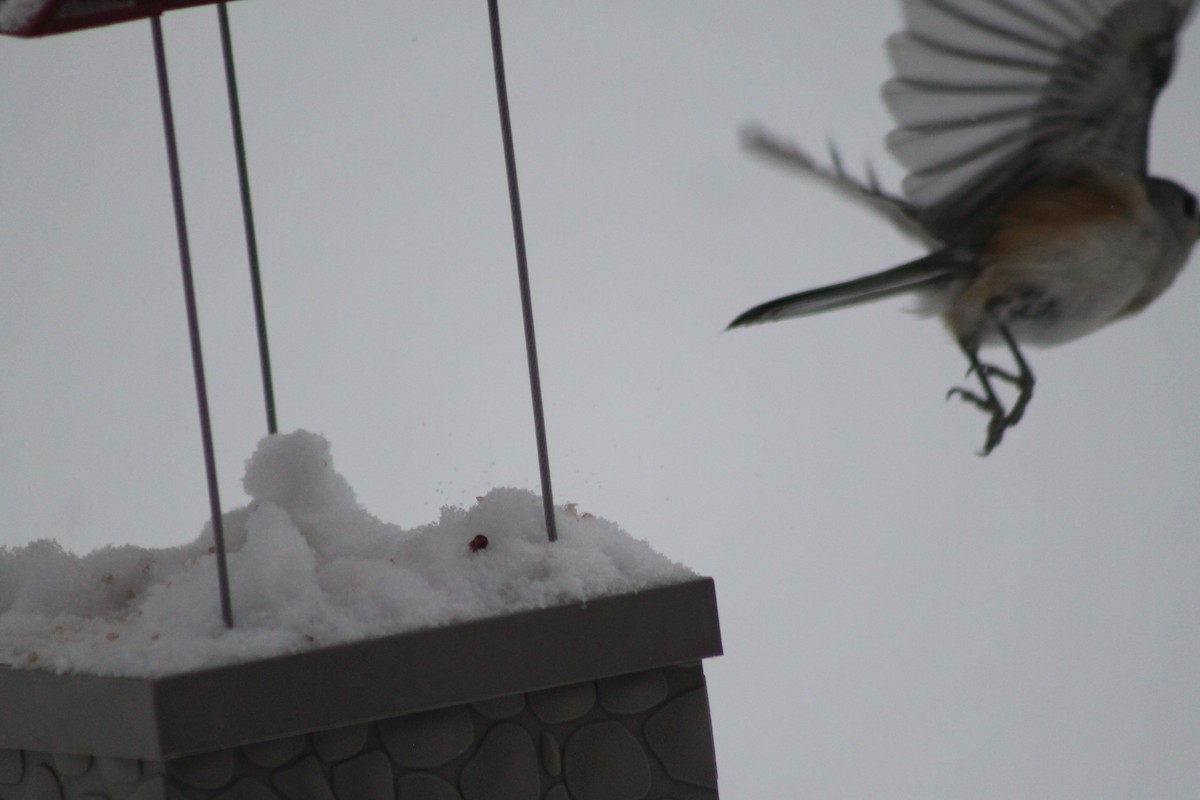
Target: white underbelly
<point x="1057" y="295"/>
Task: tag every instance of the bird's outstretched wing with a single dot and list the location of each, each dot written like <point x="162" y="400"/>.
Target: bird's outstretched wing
<point x="992" y="94"/>
<point x="899" y="212"/>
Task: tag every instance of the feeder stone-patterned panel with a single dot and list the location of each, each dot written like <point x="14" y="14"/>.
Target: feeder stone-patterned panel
<point x="642" y="736"/>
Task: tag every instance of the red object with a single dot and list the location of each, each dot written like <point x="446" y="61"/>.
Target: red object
<point x="41" y="17"/>
<point x="480" y="542"/>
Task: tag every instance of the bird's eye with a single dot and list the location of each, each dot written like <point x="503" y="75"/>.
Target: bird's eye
<point x="1189" y="205"/>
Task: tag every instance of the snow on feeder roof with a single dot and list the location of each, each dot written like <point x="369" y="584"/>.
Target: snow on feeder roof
<point x="42" y="17"/>
<point x="38" y="17"/>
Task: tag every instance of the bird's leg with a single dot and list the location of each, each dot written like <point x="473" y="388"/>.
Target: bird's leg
<point x="988" y="401"/>
<point x="1023" y="380"/>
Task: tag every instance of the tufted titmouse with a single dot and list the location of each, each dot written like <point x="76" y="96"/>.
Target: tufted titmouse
<point x="1024" y="126"/>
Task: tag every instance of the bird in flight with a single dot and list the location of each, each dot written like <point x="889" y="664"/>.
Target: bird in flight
<point x="1024" y="127"/>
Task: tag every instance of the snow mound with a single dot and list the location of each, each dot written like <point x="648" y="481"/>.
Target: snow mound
<point x="308" y="566"/>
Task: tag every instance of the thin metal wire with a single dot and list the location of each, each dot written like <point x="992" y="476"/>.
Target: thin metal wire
<point x="514" y="197"/>
<point x="189" y="293"/>
<point x="239" y="147"/>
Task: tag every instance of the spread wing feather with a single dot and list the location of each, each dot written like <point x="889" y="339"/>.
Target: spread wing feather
<point x="992" y="94"/>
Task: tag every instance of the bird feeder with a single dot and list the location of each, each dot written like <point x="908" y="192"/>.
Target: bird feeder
<point x="596" y="700"/>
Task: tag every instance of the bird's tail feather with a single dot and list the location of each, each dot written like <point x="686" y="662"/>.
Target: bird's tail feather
<point x="926" y="272"/>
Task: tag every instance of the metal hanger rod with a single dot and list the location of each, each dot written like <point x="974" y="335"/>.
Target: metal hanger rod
<point x="189" y="293"/>
<point x="239" y="147"/>
<point x="514" y="196"/>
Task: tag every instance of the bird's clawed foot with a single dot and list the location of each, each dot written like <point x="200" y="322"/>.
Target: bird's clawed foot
<point x="988" y="401"/>
<point x="1023" y="381"/>
<point x="1001" y="418"/>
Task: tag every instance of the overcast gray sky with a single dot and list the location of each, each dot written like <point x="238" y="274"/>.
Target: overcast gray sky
<point x="902" y="618"/>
